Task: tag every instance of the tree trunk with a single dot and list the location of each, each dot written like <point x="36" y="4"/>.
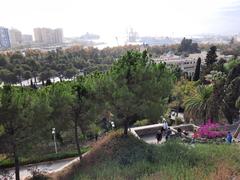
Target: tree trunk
<point x="237" y="132"/>
<point x="177" y="110"/>
<point x="126" y="127"/>
<point x="205" y="115"/>
<point x="16" y="164"/>
<point x="76" y="138"/>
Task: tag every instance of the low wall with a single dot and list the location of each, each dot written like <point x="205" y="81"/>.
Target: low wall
<point x="186" y="127"/>
<point x="148" y="131"/>
<point x="152" y="129"/>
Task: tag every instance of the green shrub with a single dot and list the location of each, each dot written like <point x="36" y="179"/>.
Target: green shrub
<point x="143" y="122"/>
<point x="38" y="175"/>
<point x="178" y="121"/>
<point x="231" y="64"/>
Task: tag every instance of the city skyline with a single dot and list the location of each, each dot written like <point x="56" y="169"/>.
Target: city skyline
<point x="110" y="19"/>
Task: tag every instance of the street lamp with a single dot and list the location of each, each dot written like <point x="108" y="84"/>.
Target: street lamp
<point x="54" y="139"/>
<point x="112" y="124"/>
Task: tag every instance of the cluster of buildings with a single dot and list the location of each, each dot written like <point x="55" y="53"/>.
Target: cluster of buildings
<point x="187" y="64"/>
<point x="11" y="38"/>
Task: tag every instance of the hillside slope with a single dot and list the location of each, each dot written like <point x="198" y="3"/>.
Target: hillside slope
<point x="120" y="157"/>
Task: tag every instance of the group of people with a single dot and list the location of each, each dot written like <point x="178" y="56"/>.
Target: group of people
<point x="164" y="131"/>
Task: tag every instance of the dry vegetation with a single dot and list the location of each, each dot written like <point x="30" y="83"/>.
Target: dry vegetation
<point x="119" y="157"/>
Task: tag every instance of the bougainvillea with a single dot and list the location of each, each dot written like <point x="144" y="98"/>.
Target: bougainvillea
<point x="211" y="130"/>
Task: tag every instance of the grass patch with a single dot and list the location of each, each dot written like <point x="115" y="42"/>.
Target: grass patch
<point x="120" y="157"/>
<point x="7" y="163"/>
<point x="142" y="122"/>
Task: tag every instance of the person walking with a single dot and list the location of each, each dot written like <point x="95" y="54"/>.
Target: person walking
<point x="168" y="133"/>
<point x="165" y="125"/>
<point x="159" y="136"/>
<point x="194" y="136"/>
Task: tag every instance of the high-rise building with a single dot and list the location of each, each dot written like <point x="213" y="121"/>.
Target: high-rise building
<point x="4" y="38"/>
<point x="15" y="37"/>
<point x="27" y="39"/>
<point x="48" y="36"/>
<point x="58" y="33"/>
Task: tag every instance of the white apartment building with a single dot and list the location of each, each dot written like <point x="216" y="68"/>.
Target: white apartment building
<point x="48" y="36"/>
<point x="15" y="37"/>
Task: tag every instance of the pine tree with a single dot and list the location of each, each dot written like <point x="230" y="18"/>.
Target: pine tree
<point x="197" y="70"/>
<point x="211" y="56"/>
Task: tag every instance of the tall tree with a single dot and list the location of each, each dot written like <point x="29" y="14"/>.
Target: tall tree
<point x="197" y="70"/>
<point x="188" y="47"/>
<point x="232" y="92"/>
<point x="83" y="107"/>
<point x="137" y="87"/>
<point x="14" y="117"/>
<point x="60" y="100"/>
<point x="211" y="56"/>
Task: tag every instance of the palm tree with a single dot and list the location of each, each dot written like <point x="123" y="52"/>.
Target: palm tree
<point x="198" y="105"/>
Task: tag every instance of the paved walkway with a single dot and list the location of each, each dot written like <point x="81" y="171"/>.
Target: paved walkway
<point x="151" y="139"/>
<point x="48" y="167"/>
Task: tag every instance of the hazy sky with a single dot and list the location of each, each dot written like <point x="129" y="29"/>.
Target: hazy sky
<point x="114" y="17"/>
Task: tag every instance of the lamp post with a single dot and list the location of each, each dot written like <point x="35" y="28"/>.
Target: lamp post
<point x="112" y="124"/>
<point x="54" y="139"/>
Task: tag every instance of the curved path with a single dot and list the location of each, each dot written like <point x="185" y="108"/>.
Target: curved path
<point x="48" y="167"/>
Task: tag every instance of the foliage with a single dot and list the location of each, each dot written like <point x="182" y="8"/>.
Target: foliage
<point x="198" y="105"/>
<point x="136" y="88"/>
<point x="231" y="94"/>
<point x="176" y="70"/>
<point x="188" y="46"/>
<point x="15" y="67"/>
<point x="211" y="130"/>
<point x="181" y="91"/>
<point x="231" y="64"/>
<point x="178" y="121"/>
<point x="143" y="122"/>
<point x="197" y="70"/>
<point x="63" y="63"/>
<point x="17" y="119"/>
<point x="215" y="76"/>
<point x="211" y="56"/>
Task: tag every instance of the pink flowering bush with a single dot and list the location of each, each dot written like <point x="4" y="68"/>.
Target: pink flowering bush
<point x="211" y="130"/>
